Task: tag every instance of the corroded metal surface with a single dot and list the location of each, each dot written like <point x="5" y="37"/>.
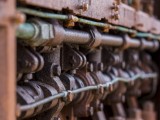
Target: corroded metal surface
<point x="7" y="72"/>
<point x="109" y="10"/>
<point x="78" y="60"/>
<point x="7" y="62"/>
<point x="7" y="4"/>
<point x="143" y="21"/>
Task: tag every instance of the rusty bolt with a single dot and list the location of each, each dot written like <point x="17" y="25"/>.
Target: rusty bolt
<point x="116" y="16"/>
<point x="73" y="18"/>
<point x="101" y="89"/>
<point x="71" y="21"/>
<point x="18" y="111"/>
<point x="91" y="111"/>
<point x="70" y="96"/>
<point x="84" y="7"/>
<point x="133" y="34"/>
<point x="118" y="2"/>
<point x="115" y="7"/>
<point x="69" y="24"/>
<point x="19" y="18"/>
<point x="56" y="70"/>
<point x="107" y="28"/>
<point x="110" y="88"/>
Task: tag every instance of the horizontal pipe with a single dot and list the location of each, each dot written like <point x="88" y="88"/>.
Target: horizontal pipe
<point x="135" y="43"/>
<point x="110" y="40"/>
<point x="87" y="88"/>
<point x="26" y="31"/>
<point x="88" y="22"/>
<point x="44" y="101"/>
<point x="148" y="44"/>
<point x="144" y="35"/>
<point x="76" y="37"/>
<point x="42" y="14"/>
<point x="30" y="33"/>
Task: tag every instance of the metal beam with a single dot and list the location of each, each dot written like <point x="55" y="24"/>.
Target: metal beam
<point x="7" y="62"/>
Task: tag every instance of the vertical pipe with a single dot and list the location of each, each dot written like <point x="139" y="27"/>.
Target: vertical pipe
<point x="7" y="61"/>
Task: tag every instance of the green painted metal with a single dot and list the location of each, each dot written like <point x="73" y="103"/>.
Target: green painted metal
<point x="26" y="31"/>
<point x="80" y="20"/>
<point x="43" y="14"/>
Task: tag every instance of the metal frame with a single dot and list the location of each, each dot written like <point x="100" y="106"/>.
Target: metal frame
<point x="7" y="62"/>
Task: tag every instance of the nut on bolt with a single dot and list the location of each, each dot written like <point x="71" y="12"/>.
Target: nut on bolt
<point x="18" y="111"/>
<point x="118" y="2"/>
<point x="107" y="28"/>
<point x="116" y="16"/>
<point x="71" y="21"/>
<point x="115" y="7"/>
<point x="43" y="32"/>
<point x="70" y="96"/>
<point x="100" y="89"/>
<point x="73" y="18"/>
<point x="84" y="7"/>
<point x="19" y="18"/>
<point x="110" y="88"/>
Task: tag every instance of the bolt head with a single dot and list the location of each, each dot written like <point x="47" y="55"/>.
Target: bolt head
<point x="19" y="18"/>
<point x="70" y="96"/>
<point x="116" y="16"/>
<point x="101" y="89"/>
<point x="118" y="2"/>
<point x="110" y="88"/>
<point x="69" y="24"/>
<point x="85" y="6"/>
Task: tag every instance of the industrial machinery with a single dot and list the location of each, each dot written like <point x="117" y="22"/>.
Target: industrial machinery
<point x="79" y="60"/>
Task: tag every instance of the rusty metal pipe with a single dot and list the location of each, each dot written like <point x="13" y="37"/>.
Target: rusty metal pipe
<point x="81" y="37"/>
<point x="148" y="44"/>
<point x="112" y="40"/>
<point x="75" y="37"/>
<point x="135" y="43"/>
<point x="88" y="22"/>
